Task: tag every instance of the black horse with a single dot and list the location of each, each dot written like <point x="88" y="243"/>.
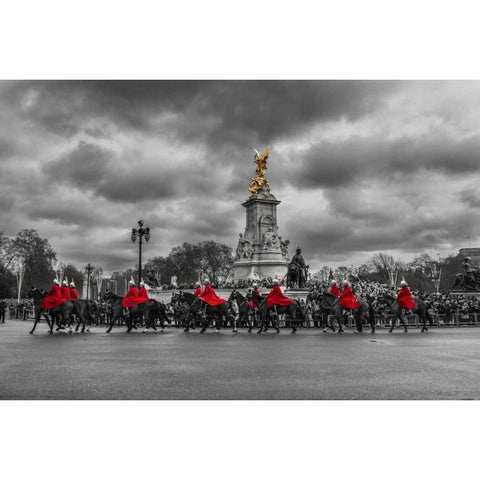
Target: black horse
<point x="206" y="312"/>
<point x="293" y="310"/>
<point x="246" y="314"/>
<point x="64" y="310"/>
<point x="421" y="310"/>
<point x="329" y="304"/>
<point x="144" y="308"/>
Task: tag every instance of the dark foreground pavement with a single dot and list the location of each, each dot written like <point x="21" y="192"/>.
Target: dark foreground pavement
<point x="442" y="364"/>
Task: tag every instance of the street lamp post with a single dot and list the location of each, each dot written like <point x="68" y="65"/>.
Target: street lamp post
<point x="140" y="233"/>
<point x="88" y="271"/>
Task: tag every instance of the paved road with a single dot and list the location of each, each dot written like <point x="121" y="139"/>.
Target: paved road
<point x="442" y="364"/>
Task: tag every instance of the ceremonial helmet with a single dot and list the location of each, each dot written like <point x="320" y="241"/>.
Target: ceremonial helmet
<point x="55" y="281"/>
<point x="345" y="282"/>
<point x="254" y="285"/>
<point x="206" y="281"/>
<point x="275" y="281"/>
<point x="197" y="284"/>
<point x="132" y="281"/>
<point x="65" y="282"/>
<point x="333" y="281"/>
<point x="72" y="283"/>
<point x="403" y="282"/>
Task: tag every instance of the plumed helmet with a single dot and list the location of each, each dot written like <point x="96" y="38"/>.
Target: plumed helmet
<point x="254" y="285"/>
<point x="275" y="280"/>
<point x="131" y="282"/>
<point x="345" y="281"/>
<point x="206" y="281"/>
<point x="403" y="282"/>
<point x="72" y="283"/>
<point x="142" y="284"/>
<point x="197" y="284"/>
<point x="333" y="281"/>
<point x="55" y="281"/>
<point x="64" y="282"/>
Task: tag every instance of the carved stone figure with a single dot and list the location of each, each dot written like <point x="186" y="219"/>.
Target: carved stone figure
<point x="284" y="247"/>
<point x="271" y="240"/>
<point x="240" y="247"/>
<point x="247" y="250"/>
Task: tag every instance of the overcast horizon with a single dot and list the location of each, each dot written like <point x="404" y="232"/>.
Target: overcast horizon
<point x="359" y="166"/>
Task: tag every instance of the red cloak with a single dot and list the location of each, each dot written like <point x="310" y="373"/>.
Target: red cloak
<point x="347" y="299"/>
<point x="276" y="297"/>
<point x="73" y="293"/>
<point x="335" y="290"/>
<point x="54" y="298"/>
<point x="251" y="303"/>
<point x="405" y="298"/>
<point x="65" y="292"/>
<point x="198" y="291"/>
<point x="131" y="298"/>
<point x="142" y="293"/>
<point x="208" y="295"/>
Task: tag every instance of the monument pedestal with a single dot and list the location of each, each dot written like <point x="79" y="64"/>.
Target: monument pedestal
<point x="261" y="252"/>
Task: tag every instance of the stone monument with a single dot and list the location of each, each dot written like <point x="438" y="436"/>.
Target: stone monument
<point x="261" y="252"/>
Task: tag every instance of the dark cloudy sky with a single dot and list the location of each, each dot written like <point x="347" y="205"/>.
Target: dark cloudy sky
<point x="360" y="166"/>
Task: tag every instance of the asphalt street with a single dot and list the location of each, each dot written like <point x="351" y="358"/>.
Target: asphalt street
<point x="441" y="364"/>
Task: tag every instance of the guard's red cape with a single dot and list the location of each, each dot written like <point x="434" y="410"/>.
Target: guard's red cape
<point x="73" y="293"/>
<point x="405" y="299"/>
<point x="251" y="303"/>
<point x="53" y="299"/>
<point x="65" y="292"/>
<point x="198" y="291"/>
<point x="347" y="299"/>
<point x="132" y="298"/>
<point x="335" y="290"/>
<point x="276" y="297"/>
<point x="142" y="293"/>
<point x="208" y="295"/>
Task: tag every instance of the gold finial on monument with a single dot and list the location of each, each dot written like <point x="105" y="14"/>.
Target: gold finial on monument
<point x="261" y="162"/>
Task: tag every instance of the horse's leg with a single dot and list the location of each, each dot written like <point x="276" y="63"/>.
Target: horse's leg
<point x="394" y="321"/>
<point x="37" y="319"/>
<point x="402" y="319"/>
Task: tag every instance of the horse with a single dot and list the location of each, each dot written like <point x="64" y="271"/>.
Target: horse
<point x="202" y="309"/>
<point x="245" y="313"/>
<point x="65" y="309"/>
<point x="144" y="308"/>
<point x="420" y="309"/>
<point x="329" y="303"/>
<point x="323" y="311"/>
<point x="274" y="311"/>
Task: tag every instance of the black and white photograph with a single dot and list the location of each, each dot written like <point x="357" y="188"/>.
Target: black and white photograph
<point x="234" y="235"/>
<point x="210" y="247"/>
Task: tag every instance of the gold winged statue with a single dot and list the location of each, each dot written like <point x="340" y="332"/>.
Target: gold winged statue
<point x="261" y="162"/>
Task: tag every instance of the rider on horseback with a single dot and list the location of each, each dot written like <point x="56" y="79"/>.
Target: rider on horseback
<point x="405" y="298"/>
<point x="209" y="296"/>
<point x="54" y="297"/>
<point x="276" y="296"/>
<point x="198" y="289"/>
<point x="73" y="291"/>
<point x="334" y="290"/>
<point x="65" y="290"/>
<point x="347" y="299"/>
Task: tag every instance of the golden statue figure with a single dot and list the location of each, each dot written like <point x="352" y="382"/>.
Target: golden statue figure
<point x="261" y="162"/>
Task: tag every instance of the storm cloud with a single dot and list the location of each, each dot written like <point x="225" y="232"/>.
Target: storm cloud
<point x="360" y="166"/>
